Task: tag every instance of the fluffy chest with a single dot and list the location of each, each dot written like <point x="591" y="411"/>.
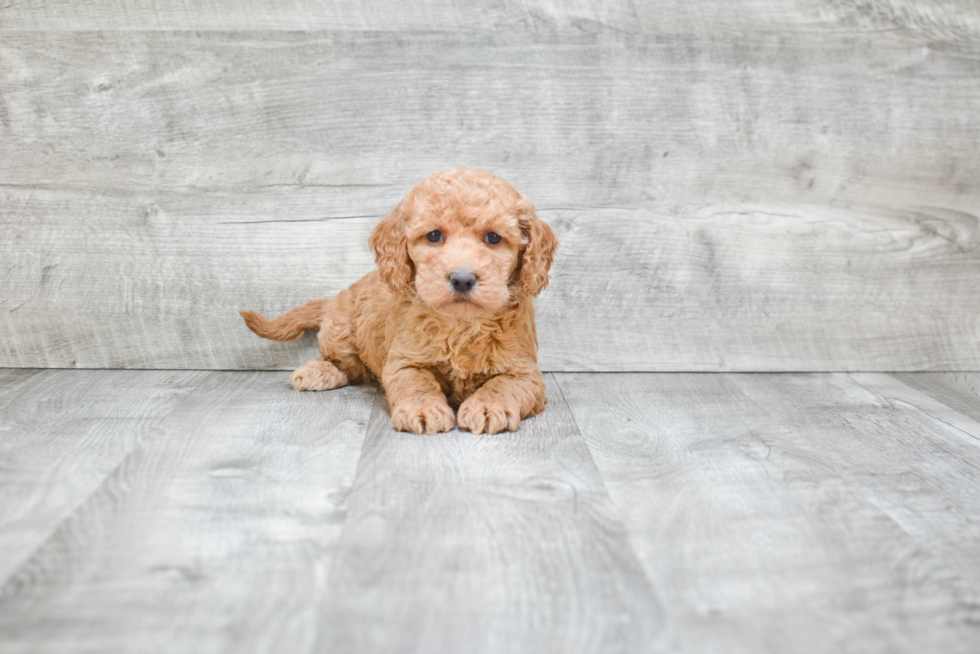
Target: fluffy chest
<point x="466" y="356"/>
<point x="470" y="353"/>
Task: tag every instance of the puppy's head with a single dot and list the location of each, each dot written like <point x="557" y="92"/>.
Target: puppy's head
<point x="466" y="242"/>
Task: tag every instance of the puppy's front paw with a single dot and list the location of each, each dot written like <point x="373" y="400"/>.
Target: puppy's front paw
<point x="492" y="416"/>
<point x="428" y="415"/>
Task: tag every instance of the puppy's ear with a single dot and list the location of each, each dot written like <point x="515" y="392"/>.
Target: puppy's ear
<point x="539" y="250"/>
<point x="390" y="248"/>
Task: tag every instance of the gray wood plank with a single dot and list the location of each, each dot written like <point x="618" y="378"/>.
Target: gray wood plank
<point x="960" y="427"/>
<point x="587" y="120"/>
<point x="959" y="391"/>
<point x="157" y="281"/>
<point x="61" y="434"/>
<point x="754" y="537"/>
<point x="632" y="289"/>
<point x="754" y="289"/>
<point x="12" y="380"/>
<point x="936" y="18"/>
<point x="213" y="536"/>
<point x="919" y="469"/>
<point x="503" y="543"/>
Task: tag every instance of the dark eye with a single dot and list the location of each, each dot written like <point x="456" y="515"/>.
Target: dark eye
<point x="434" y="236"/>
<point x="492" y="238"/>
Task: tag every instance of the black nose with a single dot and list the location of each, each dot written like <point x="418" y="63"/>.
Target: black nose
<point x="463" y="281"/>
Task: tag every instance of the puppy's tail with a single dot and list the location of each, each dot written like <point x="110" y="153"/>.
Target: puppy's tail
<point x="290" y="325"/>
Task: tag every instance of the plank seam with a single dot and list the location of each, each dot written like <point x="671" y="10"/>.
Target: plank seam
<point x="613" y="506"/>
<point x="893" y="401"/>
<point x="136" y="447"/>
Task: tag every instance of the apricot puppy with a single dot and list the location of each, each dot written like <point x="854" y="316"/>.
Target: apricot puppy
<point x="446" y="321"/>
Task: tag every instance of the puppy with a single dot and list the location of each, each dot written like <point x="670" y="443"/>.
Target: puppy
<point x="446" y="321"/>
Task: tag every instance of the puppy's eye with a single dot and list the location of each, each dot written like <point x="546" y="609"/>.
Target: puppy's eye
<point x="492" y="238"/>
<point x="434" y="236"/>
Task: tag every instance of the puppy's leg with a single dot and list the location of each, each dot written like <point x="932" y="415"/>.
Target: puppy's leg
<point x="418" y="402"/>
<point x="501" y="403"/>
<point x="317" y="375"/>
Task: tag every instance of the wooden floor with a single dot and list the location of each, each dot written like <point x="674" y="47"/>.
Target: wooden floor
<point x="146" y="511"/>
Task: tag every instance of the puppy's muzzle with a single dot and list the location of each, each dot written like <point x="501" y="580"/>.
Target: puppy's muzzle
<point x="462" y="281"/>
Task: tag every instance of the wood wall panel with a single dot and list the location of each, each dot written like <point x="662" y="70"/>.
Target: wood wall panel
<point x="800" y="200"/>
<point x="930" y="18"/>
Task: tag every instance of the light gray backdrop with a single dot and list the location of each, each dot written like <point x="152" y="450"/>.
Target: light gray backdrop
<point x="760" y="185"/>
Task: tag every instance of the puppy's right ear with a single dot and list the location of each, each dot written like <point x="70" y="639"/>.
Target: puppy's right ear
<point x="390" y="247"/>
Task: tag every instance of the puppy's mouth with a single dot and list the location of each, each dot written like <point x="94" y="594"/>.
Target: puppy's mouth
<point x="463" y="304"/>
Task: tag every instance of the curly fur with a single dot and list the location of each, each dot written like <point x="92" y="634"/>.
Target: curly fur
<point x="433" y="348"/>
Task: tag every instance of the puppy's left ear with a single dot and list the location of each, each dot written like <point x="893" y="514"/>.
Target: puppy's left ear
<point x="390" y="247"/>
<point x="539" y="250"/>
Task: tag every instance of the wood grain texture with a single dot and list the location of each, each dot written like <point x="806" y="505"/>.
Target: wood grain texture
<point x="213" y="536"/>
<point x="157" y="281"/>
<point x="755" y="536"/>
<point x="723" y="204"/>
<point x="959" y="391"/>
<point x="505" y="543"/>
<point x="61" y="434"/>
<point x="632" y="290"/>
<point x="587" y="120"/>
<point x="963" y="427"/>
<point x="756" y="289"/>
<point x="640" y="512"/>
<point x="943" y="18"/>
<point x="923" y="472"/>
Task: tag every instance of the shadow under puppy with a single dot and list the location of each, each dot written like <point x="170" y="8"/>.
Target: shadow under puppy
<point x="447" y="319"/>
